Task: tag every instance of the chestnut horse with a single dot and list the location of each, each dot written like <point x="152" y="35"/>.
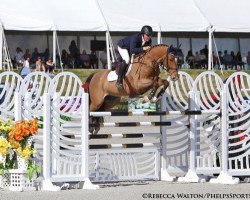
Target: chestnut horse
<point x="144" y="75"/>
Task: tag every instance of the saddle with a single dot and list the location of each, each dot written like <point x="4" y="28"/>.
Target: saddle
<point x="113" y="74"/>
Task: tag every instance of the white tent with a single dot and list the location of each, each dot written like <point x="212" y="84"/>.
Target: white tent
<point x="90" y="15"/>
<point x="226" y="15"/>
<point x="129" y="15"/>
<point x="163" y="15"/>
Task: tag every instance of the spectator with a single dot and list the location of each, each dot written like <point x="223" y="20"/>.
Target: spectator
<point x="197" y="60"/>
<point x="190" y="59"/>
<point x="40" y="65"/>
<point x="27" y="54"/>
<point x="19" y="57"/>
<point x="93" y="60"/>
<point x="84" y="57"/>
<point x="46" y="54"/>
<point x="205" y="51"/>
<point x="239" y="62"/>
<point x="103" y="58"/>
<point x="215" y="60"/>
<point x="66" y="59"/>
<point x="26" y="68"/>
<point x="49" y="65"/>
<point x="220" y="57"/>
<point x="203" y="60"/>
<point x="34" y="55"/>
<point x="74" y="52"/>
<point x="227" y="59"/>
<point x="233" y="62"/>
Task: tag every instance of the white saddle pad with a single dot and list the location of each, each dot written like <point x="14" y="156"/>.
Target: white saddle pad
<point x="112" y="76"/>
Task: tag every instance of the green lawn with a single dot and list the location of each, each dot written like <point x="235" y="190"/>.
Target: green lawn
<point x="84" y="73"/>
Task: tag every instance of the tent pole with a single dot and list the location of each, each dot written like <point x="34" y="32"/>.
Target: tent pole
<point x="159" y="37"/>
<point x="1" y="47"/>
<point x="210" y="31"/>
<point x="54" y="48"/>
<point x="108" y="49"/>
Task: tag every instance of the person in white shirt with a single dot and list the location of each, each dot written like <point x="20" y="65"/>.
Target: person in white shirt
<point x="26" y="68"/>
<point x="19" y="57"/>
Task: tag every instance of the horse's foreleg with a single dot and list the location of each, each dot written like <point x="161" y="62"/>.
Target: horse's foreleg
<point x="152" y="92"/>
<point x="164" y="84"/>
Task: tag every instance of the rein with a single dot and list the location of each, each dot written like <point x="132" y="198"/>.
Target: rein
<point x="154" y="62"/>
<point x="167" y="68"/>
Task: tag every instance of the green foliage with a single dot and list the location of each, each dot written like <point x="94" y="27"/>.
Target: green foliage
<point x="3" y="169"/>
<point x="33" y="169"/>
<point x="40" y="119"/>
<point x="9" y="164"/>
<point x="65" y="118"/>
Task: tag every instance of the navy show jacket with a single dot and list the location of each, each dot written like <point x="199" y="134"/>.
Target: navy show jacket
<point x="133" y="43"/>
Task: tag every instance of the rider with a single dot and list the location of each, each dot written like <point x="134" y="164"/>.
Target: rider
<point x="133" y="44"/>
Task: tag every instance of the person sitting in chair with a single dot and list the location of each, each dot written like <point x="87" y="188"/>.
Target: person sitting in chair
<point x="133" y="44"/>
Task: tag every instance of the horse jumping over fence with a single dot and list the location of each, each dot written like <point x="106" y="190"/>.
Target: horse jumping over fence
<point x="144" y="75"/>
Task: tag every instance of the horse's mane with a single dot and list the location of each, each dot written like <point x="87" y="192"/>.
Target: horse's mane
<point x="145" y="52"/>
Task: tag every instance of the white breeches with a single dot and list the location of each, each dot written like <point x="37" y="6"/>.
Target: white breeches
<point x="124" y="54"/>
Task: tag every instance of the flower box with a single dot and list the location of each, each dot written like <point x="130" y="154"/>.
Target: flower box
<point x="19" y="181"/>
<point x="16" y="154"/>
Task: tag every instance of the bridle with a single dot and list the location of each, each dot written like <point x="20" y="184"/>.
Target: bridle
<point x="167" y="68"/>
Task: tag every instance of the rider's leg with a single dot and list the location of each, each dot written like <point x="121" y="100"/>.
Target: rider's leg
<point x="121" y="73"/>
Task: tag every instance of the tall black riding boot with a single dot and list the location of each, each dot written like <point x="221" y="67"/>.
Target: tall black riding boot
<point x="121" y="73"/>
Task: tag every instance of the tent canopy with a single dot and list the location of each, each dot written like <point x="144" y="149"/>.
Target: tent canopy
<point x="163" y="15"/>
<point x="226" y="15"/>
<point x="129" y="15"/>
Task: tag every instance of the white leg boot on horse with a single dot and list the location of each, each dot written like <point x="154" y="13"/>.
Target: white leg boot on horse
<point x="121" y="74"/>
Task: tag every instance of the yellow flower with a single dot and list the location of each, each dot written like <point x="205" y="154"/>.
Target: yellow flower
<point x="26" y="152"/>
<point x="4" y="146"/>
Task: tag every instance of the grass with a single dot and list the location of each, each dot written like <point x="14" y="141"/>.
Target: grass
<point x="84" y="73"/>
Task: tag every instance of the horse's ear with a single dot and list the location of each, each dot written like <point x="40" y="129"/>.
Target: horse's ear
<point x="171" y="48"/>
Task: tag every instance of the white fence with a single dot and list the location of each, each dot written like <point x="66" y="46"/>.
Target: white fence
<point x="208" y="134"/>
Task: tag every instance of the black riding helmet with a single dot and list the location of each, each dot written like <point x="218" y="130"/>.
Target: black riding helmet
<point x="147" y="30"/>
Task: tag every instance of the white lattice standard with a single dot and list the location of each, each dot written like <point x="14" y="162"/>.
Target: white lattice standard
<point x="12" y="82"/>
<point x="238" y="90"/>
<point x="5" y="180"/>
<point x="126" y="164"/>
<point x="175" y="145"/>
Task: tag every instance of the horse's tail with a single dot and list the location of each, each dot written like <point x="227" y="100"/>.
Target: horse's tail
<point x="86" y="85"/>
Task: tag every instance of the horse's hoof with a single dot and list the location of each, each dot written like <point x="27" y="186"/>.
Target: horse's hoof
<point x="154" y="99"/>
<point x="145" y="99"/>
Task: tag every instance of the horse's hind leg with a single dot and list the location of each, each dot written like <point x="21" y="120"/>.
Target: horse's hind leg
<point x="97" y="100"/>
<point x="94" y="124"/>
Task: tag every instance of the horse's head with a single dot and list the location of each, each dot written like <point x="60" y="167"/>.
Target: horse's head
<point x="170" y="62"/>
